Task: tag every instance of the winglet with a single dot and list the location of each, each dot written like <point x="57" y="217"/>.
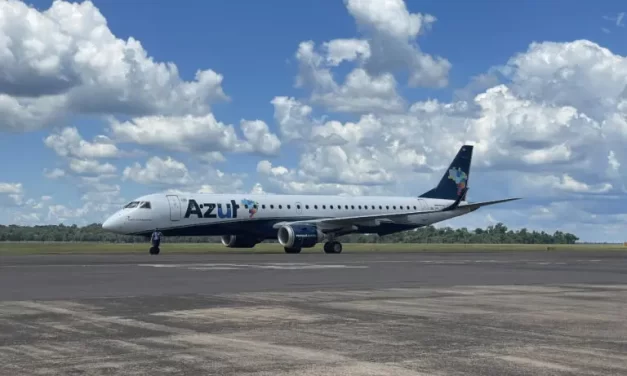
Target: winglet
<point x="459" y="199"/>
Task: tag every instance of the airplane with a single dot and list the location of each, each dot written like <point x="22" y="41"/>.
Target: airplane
<point x="296" y="221"/>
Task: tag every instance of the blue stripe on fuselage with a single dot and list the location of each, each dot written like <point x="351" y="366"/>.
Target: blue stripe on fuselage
<point x="262" y="228"/>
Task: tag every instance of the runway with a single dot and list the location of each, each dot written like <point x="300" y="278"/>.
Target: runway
<point x="518" y="313"/>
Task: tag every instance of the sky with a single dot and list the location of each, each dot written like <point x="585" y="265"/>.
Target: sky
<point x="104" y="101"/>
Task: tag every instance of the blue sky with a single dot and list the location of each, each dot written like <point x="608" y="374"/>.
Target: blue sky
<point x="254" y="45"/>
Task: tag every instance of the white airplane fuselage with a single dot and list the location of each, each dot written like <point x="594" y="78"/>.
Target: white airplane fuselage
<point x="238" y="214"/>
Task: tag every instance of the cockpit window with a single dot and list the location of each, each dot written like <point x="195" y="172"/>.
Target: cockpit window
<point x="145" y="205"/>
<point x="132" y="204"/>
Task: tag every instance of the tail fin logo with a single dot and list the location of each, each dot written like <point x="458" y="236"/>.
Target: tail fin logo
<point x="459" y="177"/>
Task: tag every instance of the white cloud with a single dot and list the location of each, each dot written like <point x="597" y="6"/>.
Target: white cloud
<point x="391" y="31"/>
<point x="260" y="138"/>
<point x="174" y="176"/>
<point x="11" y="188"/>
<point x="69" y="143"/>
<point x="91" y="167"/>
<point x="339" y="50"/>
<point x="66" y="60"/>
<point x="159" y="171"/>
<point x="361" y="91"/>
<point x="54" y="173"/>
<point x="292" y="116"/>
<point x="196" y="134"/>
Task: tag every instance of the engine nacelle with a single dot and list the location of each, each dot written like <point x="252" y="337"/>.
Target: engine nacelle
<point x="299" y="236"/>
<point x="233" y="241"/>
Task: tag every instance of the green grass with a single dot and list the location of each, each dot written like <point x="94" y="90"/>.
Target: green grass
<point x="9" y="248"/>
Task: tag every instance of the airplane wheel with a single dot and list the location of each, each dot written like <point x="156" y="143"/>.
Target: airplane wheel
<point x="337" y="247"/>
<point x="332" y="247"/>
<point x="154" y="250"/>
<point x="292" y="250"/>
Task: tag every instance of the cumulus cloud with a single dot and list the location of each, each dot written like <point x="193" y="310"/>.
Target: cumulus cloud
<point x="292" y="116"/>
<point x="11" y="188"/>
<point x="69" y="143"/>
<point x="391" y="31"/>
<point x="159" y="171"/>
<point x="361" y="92"/>
<point x="66" y="60"/>
<point x="91" y="167"/>
<point x="202" y="134"/>
<point x="174" y="176"/>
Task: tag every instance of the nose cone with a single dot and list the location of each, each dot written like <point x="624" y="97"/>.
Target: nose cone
<point x="113" y="224"/>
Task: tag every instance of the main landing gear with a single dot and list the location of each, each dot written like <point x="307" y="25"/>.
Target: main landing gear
<point x="332" y="247"/>
<point x="154" y="250"/>
<point x="329" y="247"/>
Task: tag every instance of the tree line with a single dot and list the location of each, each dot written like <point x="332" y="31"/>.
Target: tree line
<point x="497" y="234"/>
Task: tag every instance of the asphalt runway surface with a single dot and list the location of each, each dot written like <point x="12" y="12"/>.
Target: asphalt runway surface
<point x="518" y="313"/>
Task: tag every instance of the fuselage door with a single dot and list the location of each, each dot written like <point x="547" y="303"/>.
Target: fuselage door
<point x="422" y="204"/>
<point x="175" y="207"/>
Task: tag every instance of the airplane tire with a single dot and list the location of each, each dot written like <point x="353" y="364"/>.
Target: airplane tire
<point x="336" y="247"/>
<point x="154" y="250"/>
<point x="291" y="250"/>
<point x="332" y="247"/>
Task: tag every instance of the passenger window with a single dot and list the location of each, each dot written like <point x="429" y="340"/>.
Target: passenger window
<point x="297" y="206"/>
<point x="387" y="207"/>
<point x="394" y="207"/>
<point x="306" y="206"/>
<point x="280" y="206"/>
<point x="331" y="207"/>
<point x="246" y="206"/>
<point x="289" y="206"/>
<point x="345" y="206"/>
<point x="324" y="206"/>
<point x="315" y="206"/>
<point x="359" y="207"/>
<point x="145" y="205"/>
<point x="414" y="207"/>
<point x="271" y="206"/>
<point x="380" y="207"/>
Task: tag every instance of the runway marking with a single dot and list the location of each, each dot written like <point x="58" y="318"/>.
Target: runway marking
<point x="361" y="264"/>
<point x="273" y="266"/>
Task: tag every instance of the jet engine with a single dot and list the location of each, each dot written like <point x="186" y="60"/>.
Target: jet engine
<point x="299" y="236"/>
<point x="233" y="241"/>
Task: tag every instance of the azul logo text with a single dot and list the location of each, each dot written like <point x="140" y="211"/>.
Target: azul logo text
<point x="208" y="210"/>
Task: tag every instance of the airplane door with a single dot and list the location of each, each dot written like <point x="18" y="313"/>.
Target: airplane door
<point x="422" y="204"/>
<point x="175" y="207"/>
<point x="299" y="208"/>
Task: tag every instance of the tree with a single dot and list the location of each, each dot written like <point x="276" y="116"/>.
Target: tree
<point x="498" y="233"/>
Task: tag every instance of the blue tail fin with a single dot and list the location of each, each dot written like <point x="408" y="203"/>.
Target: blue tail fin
<point x="455" y="178"/>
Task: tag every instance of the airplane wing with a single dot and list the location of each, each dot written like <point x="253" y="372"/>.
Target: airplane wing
<point x="376" y="219"/>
